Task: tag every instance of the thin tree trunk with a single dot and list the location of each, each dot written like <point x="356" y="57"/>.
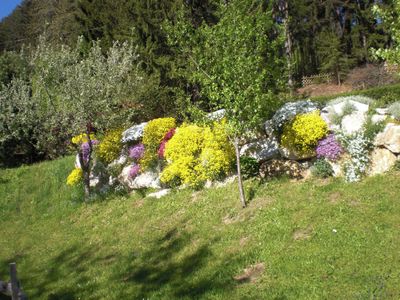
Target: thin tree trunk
<point x="240" y="183"/>
<point x="288" y="45"/>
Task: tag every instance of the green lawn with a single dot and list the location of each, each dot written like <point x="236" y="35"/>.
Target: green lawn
<point x="311" y="240"/>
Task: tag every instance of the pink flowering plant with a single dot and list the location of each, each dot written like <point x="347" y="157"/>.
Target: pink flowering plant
<point x="329" y="148"/>
<point x="163" y="143"/>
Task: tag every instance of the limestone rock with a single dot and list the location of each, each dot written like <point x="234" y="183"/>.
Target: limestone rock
<point x="279" y="167"/>
<point x="133" y="134"/>
<point x="216" y="115"/>
<point x="295" y="155"/>
<point x="159" y="194"/>
<point x="382" y="160"/>
<point x="377" y="118"/>
<point x="148" y="179"/>
<point x="269" y="128"/>
<point x="261" y="150"/>
<point x="382" y="111"/>
<point x="354" y="122"/>
<point x="77" y="162"/>
<point x="389" y="138"/>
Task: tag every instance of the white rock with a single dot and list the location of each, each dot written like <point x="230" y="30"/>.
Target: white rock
<point x="227" y="181"/>
<point x="119" y="161"/>
<point x="382" y="160"/>
<point x="339" y="107"/>
<point x="389" y="138"/>
<point x="337" y="168"/>
<point x="159" y="194"/>
<point x="381" y="111"/>
<point x="353" y="122"/>
<point x="261" y="150"/>
<point x="216" y="115"/>
<point x="77" y="162"/>
<point x="378" y="118"/>
<point x="133" y="134"/>
<point x="147" y="179"/>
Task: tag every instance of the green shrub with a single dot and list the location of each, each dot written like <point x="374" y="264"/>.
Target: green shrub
<point x="249" y="167"/>
<point x="371" y="130"/>
<point x="394" y="110"/>
<point x="321" y="169"/>
<point x="110" y="147"/>
<point x="196" y="154"/>
<point x="304" y="132"/>
<point x="153" y="135"/>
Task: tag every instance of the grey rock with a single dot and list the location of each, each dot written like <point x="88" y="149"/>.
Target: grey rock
<point x="216" y="115"/>
<point x="261" y="150"/>
<point x="133" y="134"/>
<point x="382" y="160"/>
<point x="159" y="194"/>
<point x="389" y="138"/>
<point x="354" y="122"/>
<point x="148" y="179"/>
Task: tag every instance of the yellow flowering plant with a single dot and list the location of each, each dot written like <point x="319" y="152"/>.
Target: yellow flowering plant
<point x="75" y="177"/>
<point x="82" y="138"/>
<point x="304" y="132"/>
<point x="110" y="146"/>
<point x="196" y="154"/>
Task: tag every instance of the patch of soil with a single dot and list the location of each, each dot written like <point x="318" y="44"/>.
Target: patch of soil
<point x="302" y="234"/>
<point x="251" y="273"/>
<point x="324" y="89"/>
<point x="243" y="241"/>
<point x="138" y="203"/>
<point x="335" y="197"/>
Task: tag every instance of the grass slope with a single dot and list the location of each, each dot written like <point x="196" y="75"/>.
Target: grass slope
<point x="315" y="239"/>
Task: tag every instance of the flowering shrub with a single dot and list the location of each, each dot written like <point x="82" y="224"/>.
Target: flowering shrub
<point x="304" y="132"/>
<point x="289" y="111"/>
<point x="357" y="147"/>
<point x="136" y="152"/>
<point x="82" y="138"/>
<point x="75" y="177"/>
<point x="153" y="135"/>
<point x="329" y="148"/>
<point x="134" y="171"/>
<point x="110" y="147"/>
<point x="166" y="138"/>
<point x="195" y="154"/>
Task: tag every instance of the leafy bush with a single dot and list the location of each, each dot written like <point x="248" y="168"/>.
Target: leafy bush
<point x="304" y="132"/>
<point x="196" y="154"/>
<point x="371" y="130"/>
<point x="329" y="148"/>
<point x="75" y="177"/>
<point x="249" y="167"/>
<point x="394" y="110"/>
<point x="110" y="147"/>
<point x="322" y="169"/>
<point x="153" y="135"/>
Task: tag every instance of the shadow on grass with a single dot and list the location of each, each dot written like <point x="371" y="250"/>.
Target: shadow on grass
<point x="172" y="265"/>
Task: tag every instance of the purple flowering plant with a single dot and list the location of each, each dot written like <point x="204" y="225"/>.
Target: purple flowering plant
<point x="85" y="149"/>
<point x="329" y="148"/>
<point x="134" y="171"/>
<point x="136" y="152"/>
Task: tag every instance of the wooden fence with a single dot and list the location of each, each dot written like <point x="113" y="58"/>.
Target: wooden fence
<point x="318" y="78"/>
<point x="13" y="287"/>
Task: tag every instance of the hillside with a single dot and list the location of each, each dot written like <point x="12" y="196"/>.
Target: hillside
<point x="296" y="240"/>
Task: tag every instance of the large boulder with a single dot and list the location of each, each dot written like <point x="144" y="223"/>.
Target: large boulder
<point x="382" y="160"/>
<point x="291" y="109"/>
<point x="148" y="179"/>
<point x="280" y="167"/>
<point x="354" y="122"/>
<point x="389" y="138"/>
<point x="293" y="154"/>
<point x="340" y="108"/>
<point x="261" y="150"/>
<point x="133" y="134"/>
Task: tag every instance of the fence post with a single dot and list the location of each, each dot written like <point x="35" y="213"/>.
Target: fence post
<point x="14" y="281"/>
